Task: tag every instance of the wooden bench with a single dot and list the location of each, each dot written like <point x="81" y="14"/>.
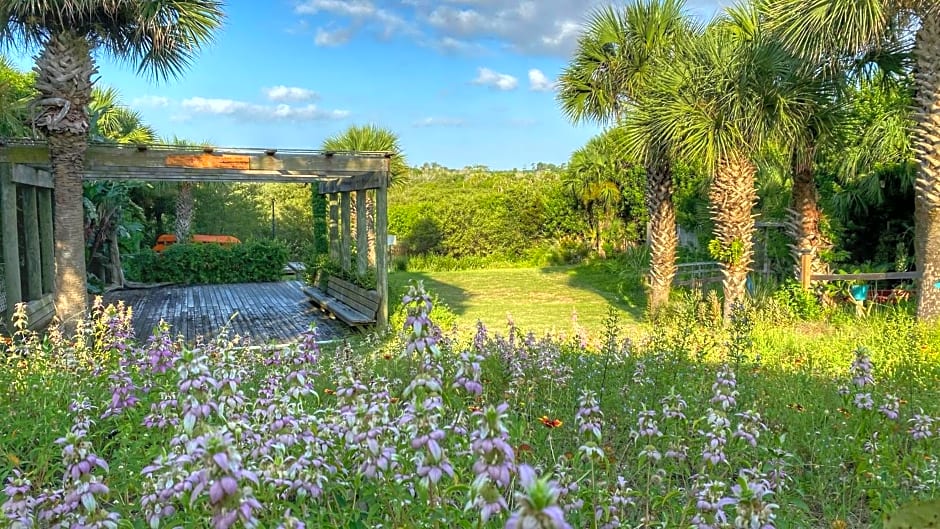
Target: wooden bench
<point x="348" y="302"/>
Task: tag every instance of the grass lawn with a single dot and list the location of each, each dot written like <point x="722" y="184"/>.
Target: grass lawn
<point x="538" y="299"/>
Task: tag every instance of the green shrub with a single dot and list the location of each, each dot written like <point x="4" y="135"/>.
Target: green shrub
<point x="798" y="303"/>
<point x="250" y="262"/>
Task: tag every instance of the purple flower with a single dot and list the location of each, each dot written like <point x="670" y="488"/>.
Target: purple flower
<point x="750" y="427"/>
<point x="753" y="510"/>
<point x="18" y="509"/>
<point x="673" y="406"/>
<point x="495" y="457"/>
<point x="646" y="425"/>
<point x="538" y="504"/>
<point x="860" y="370"/>
<point x="710" y="502"/>
<point x="723" y="389"/>
<point x="921" y="426"/>
<point x="863" y="401"/>
<point x="469" y="373"/>
<point x="891" y="408"/>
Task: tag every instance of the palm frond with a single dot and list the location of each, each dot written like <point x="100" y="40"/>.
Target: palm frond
<point x="159" y="37"/>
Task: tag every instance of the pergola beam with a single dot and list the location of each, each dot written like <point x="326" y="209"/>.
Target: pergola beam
<point x="179" y="174"/>
<point x="307" y="162"/>
<point x="355" y="183"/>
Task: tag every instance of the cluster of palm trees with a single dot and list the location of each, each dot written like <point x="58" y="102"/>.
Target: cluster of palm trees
<point x="767" y="77"/>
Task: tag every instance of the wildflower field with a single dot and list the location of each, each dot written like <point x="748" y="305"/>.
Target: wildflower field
<point x="692" y="426"/>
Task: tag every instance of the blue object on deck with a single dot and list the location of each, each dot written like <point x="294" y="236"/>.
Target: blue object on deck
<point x="937" y="284"/>
<point x="859" y="292"/>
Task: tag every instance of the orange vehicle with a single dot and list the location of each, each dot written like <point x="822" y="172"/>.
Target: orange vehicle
<point x="167" y="239"/>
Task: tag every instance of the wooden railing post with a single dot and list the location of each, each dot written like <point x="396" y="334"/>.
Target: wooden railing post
<point x="362" y="233"/>
<point x="346" y="230"/>
<point x="32" y="242"/>
<point x="381" y="253"/>
<point x="11" y="251"/>
<point x="334" y="227"/>
<point x="46" y="241"/>
<point x="806" y="268"/>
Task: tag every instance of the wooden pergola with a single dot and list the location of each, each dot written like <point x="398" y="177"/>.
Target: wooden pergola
<point x="27" y="186"/>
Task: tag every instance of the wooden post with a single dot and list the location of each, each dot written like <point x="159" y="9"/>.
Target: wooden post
<point x="31" y="239"/>
<point x="806" y="268"/>
<point x="11" y="251"/>
<point x="362" y="233"/>
<point x="381" y="252"/>
<point x="334" y="228"/>
<point x="345" y="249"/>
<point x="46" y="241"/>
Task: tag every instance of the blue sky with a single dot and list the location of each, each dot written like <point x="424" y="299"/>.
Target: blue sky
<point x="461" y="81"/>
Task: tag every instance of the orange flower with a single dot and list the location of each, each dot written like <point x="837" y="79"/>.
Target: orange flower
<point x="329" y="391"/>
<point x="550" y="423"/>
<point x="387" y="356"/>
<point x="393" y="400"/>
<point x="524" y="448"/>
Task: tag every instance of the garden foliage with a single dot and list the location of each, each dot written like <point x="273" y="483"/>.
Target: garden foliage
<point x="249" y="262"/>
<point x="689" y="428"/>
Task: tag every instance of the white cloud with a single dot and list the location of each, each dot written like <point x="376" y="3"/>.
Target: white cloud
<point x="501" y="81"/>
<point x="538" y="82"/>
<point x="541" y="27"/>
<point x="289" y="94"/>
<point x="439" y="122"/>
<point x="150" y="101"/>
<point x="363" y="12"/>
<point x="335" y="37"/>
<point x="526" y="26"/>
<point x="245" y="111"/>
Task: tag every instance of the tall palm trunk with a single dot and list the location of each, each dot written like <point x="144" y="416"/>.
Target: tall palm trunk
<point x="64" y="69"/>
<point x="732" y="197"/>
<point x="927" y="145"/>
<point x="804" y="211"/>
<point x="663" y="238"/>
<point x="184" y="211"/>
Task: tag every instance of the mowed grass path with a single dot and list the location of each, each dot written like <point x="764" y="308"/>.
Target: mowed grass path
<point x="538" y="299"/>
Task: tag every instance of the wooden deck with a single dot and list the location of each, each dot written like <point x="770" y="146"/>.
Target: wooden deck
<point x="265" y="312"/>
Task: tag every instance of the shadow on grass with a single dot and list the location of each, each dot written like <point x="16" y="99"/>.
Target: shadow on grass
<point x="602" y="279"/>
<point x="456" y="298"/>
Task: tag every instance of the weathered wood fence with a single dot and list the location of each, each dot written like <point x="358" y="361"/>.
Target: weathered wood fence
<point x="28" y="265"/>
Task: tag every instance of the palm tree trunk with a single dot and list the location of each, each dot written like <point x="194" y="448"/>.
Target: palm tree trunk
<point x="804" y="212"/>
<point x="927" y="145"/>
<point x="64" y="69"/>
<point x="732" y="197"/>
<point x="663" y="239"/>
<point x="184" y="212"/>
<point x="114" y="252"/>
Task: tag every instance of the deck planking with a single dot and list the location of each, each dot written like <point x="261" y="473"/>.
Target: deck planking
<point x="263" y="312"/>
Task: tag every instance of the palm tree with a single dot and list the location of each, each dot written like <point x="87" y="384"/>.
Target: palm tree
<point x="591" y="179"/>
<point x="112" y="121"/>
<point x="16" y="90"/>
<point x="185" y="201"/>
<point x="364" y="138"/>
<point x="107" y="202"/>
<point x="857" y="27"/>
<point x="611" y="69"/>
<point x="160" y="36"/>
<point x="717" y="102"/>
